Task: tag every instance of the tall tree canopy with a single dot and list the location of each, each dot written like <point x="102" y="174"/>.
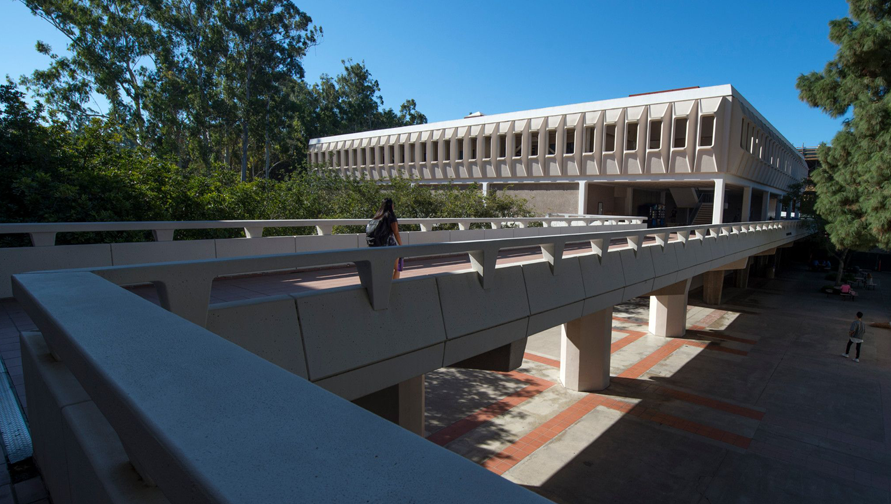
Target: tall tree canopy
<point x="206" y="83"/>
<point x="854" y="183"/>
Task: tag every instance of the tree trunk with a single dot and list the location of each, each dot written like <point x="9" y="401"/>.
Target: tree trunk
<point x="244" y="125"/>
<point x="266" y="133"/>
<point x="841" y="267"/>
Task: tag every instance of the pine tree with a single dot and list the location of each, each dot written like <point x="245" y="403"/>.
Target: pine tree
<point x="854" y="183"/>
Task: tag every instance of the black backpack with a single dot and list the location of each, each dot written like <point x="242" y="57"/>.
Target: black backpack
<point x="376" y="233"/>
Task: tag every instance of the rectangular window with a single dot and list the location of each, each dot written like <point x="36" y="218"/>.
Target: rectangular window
<point x="569" y="141"/>
<point x="742" y="135"/>
<point x="707" y="131"/>
<point x="487" y="147"/>
<point x="340" y="158"/>
<point x="392" y="154"/>
<point x="589" y="139"/>
<point x="424" y="152"/>
<point x="378" y="155"/>
<point x="434" y="154"/>
<point x="473" y="146"/>
<point x="502" y="146"/>
<point x="447" y="150"/>
<point x="655" y="135"/>
<point x="680" y="133"/>
<point x="518" y="145"/>
<point x="460" y="147"/>
<point x="411" y="153"/>
<point x="361" y="157"/>
<point x="533" y="143"/>
<point x="609" y="138"/>
<point x="631" y="130"/>
<point x="552" y="142"/>
<point x="355" y="157"/>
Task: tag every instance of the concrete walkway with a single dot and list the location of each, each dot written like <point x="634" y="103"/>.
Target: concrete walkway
<point x="753" y="404"/>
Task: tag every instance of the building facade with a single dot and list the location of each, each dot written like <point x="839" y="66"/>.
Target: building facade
<point x="703" y="153"/>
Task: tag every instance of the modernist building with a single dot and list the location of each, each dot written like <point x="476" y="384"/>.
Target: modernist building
<point x="705" y="153"/>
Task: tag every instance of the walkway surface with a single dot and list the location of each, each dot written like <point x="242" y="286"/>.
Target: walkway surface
<point x="754" y="404"/>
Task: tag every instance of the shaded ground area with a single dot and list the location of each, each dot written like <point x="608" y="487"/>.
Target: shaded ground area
<point x="753" y="404"/>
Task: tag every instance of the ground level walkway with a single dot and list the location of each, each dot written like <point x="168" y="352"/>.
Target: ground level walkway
<point x="753" y="404"/>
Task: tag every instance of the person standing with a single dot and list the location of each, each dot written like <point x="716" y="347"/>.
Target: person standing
<point x="855" y="335"/>
<point x="383" y="231"/>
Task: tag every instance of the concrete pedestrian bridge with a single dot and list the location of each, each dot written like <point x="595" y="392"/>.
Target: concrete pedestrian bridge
<point x="281" y="392"/>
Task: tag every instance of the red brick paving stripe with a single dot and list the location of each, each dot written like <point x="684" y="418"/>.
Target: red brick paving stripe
<point x="710" y="334"/>
<point x="651" y="360"/>
<point x="528" y="444"/>
<point x="712" y="403"/>
<point x="542" y="360"/>
<point x="711" y="317"/>
<point x="448" y="434"/>
<point x="627" y="340"/>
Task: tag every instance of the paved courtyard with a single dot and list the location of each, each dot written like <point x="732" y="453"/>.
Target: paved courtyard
<point x="753" y="404"/>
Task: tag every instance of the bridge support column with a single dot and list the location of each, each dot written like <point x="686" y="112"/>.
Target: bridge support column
<point x="741" y="277"/>
<point x="712" y="287"/>
<point x="584" y="351"/>
<point x="402" y="404"/>
<point x="765" y="205"/>
<point x="668" y="310"/>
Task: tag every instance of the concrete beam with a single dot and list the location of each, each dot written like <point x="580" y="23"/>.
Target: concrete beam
<point x="584" y="351"/>
<point x="402" y="404"/>
<point x="735" y="265"/>
<point x="668" y="310"/>
<point x="768" y="252"/>
<point x="504" y="358"/>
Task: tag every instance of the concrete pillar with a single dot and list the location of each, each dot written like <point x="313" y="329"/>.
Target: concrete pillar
<point x="584" y="351"/>
<point x="779" y="212"/>
<point x="629" y="200"/>
<point x="741" y="277"/>
<point x="583" y="197"/>
<point x="402" y="404"/>
<point x="765" y="205"/>
<point x="746" y="213"/>
<point x="668" y="310"/>
<point x="718" y="207"/>
<point x="485" y="186"/>
<point x="712" y="286"/>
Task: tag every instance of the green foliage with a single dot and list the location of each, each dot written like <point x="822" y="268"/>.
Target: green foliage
<point x="853" y="185"/>
<point x="207" y="84"/>
<point x="51" y="174"/>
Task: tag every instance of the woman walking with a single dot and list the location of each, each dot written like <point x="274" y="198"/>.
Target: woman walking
<point x="855" y="335"/>
<point x="383" y="231"/>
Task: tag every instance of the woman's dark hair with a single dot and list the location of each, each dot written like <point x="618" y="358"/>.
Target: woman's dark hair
<point x="385" y="208"/>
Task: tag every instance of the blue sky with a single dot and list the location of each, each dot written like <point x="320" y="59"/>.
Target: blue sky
<point x="494" y="56"/>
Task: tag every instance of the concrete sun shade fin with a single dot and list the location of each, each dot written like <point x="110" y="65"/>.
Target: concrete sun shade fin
<point x="445" y="318"/>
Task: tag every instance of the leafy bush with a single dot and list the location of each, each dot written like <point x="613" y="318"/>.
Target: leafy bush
<point x="50" y="174"/>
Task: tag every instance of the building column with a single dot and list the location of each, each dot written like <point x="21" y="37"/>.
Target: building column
<point x="741" y="277"/>
<point x="585" y="351"/>
<point x="779" y="211"/>
<point x="583" y="197"/>
<point x="629" y="200"/>
<point x="746" y="213"/>
<point x="668" y="310"/>
<point x="718" y="205"/>
<point x="712" y="287"/>
<point x="485" y="186"/>
<point x="765" y="205"/>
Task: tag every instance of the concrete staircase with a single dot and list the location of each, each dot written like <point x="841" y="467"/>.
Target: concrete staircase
<point x="703" y="215"/>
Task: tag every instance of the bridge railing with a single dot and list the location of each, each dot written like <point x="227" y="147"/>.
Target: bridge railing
<point x="184" y="287"/>
<point x="45" y="255"/>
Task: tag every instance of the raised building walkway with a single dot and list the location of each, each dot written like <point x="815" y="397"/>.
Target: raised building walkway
<point x="354" y="341"/>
